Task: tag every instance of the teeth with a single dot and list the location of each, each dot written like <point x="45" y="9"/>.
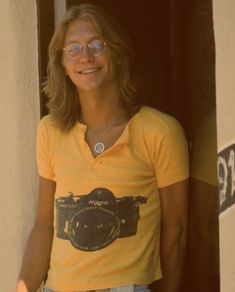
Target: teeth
<point x="88" y="71"/>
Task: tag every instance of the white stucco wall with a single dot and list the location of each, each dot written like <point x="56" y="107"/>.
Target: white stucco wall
<point x="19" y="114"/>
<point x="224" y="25"/>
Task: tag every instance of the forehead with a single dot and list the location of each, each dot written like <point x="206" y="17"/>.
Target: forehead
<point x="81" y="30"/>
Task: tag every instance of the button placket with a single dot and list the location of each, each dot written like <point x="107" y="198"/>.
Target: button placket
<point x="97" y="164"/>
<point x="95" y="169"/>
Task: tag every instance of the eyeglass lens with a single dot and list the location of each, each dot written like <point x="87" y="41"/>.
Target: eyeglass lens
<point x="96" y="47"/>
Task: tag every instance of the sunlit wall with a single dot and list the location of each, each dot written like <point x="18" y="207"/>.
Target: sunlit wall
<point x="224" y="25"/>
<point x="19" y="114"/>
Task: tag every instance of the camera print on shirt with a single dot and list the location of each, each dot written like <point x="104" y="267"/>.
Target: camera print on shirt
<point x="93" y="221"/>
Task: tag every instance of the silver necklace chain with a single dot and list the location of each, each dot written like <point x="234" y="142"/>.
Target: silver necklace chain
<point x="99" y="146"/>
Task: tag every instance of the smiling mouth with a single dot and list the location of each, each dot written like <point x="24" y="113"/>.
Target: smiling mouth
<point x="89" y="71"/>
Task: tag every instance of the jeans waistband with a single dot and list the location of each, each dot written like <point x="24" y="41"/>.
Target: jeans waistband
<point x="126" y="288"/>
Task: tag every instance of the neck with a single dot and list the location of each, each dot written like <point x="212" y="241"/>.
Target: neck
<point x="98" y="109"/>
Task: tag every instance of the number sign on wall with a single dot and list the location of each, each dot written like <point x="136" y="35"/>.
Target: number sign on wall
<point x="226" y="177"/>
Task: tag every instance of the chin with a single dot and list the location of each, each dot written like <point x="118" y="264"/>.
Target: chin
<point x="89" y="88"/>
<point x="93" y="86"/>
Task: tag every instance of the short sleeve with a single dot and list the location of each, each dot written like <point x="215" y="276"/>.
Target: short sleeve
<point x="43" y="151"/>
<point x="172" y="158"/>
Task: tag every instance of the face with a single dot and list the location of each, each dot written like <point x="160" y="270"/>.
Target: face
<point x="88" y="71"/>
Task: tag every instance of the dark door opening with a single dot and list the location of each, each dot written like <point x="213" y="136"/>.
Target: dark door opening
<point x="175" y="52"/>
<point x="149" y="27"/>
<point x="175" y="55"/>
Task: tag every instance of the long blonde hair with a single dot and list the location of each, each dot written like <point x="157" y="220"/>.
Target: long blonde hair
<point x="63" y="104"/>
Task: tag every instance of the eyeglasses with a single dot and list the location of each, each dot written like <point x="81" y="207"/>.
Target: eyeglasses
<point x="74" y="51"/>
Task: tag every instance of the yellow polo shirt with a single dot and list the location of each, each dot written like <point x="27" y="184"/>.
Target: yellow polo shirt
<point x="107" y="209"/>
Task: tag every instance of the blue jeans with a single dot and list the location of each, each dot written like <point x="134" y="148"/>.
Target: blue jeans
<point x="127" y="288"/>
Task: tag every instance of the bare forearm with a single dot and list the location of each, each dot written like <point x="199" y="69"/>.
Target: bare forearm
<point x="36" y="259"/>
<point x="172" y="256"/>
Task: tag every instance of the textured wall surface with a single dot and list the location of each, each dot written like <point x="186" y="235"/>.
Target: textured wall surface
<point x="224" y="24"/>
<point x="19" y="115"/>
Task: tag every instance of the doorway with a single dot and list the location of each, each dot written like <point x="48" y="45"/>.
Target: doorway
<point x="150" y="34"/>
<point x="175" y="57"/>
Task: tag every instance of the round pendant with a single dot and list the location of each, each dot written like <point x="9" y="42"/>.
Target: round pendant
<point x="99" y="147"/>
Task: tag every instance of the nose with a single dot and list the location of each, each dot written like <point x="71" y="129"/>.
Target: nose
<point x="86" y="55"/>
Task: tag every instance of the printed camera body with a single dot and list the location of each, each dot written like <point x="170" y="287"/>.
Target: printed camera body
<point x="95" y="220"/>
